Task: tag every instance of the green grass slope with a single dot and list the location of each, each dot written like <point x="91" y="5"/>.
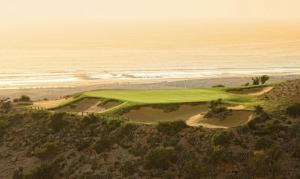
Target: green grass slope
<point x="163" y="96"/>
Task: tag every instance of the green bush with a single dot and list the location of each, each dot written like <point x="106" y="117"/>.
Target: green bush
<point x="219" y="154"/>
<point x="90" y="119"/>
<point x="294" y="110"/>
<point x="103" y="144"/>
<point x="193" y="169"/>
<point x="129" y="168"/>
<point x="264" y="79"/>
<point x="23" y="98"/>
<point x="3" y="126"/>
<point x="45" y="171"/>
<point x="5" y="105"/>
<point x="57" y="122"/>
<point x="171" y="128"/>
<point x="221" y="138"/>
<point x="37" y="115"/>
<point x="113" y="123"/>
<point x="263" y="143"/>
<point x="47" y="150"/>
<point x="160" y="158"/>
<point x="127" y="130"/>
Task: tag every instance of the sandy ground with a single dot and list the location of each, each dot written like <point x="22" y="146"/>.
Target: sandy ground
<point x="148" y="114"/>
<point x="60" y="91"/>
<point x="88" y="105"/>
<point x="47" y="104"/>
<point x="237" y="118"/>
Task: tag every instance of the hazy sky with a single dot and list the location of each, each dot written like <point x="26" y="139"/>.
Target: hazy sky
<point x="40" y="10"/>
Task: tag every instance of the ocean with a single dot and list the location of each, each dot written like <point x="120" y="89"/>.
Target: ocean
<point x="49" y="66"/>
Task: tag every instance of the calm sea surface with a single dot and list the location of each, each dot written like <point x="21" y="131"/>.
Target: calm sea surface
<point x="25" y="67"/>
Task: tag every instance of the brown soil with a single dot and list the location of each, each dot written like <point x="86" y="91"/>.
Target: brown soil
<point x="148" y="114"/>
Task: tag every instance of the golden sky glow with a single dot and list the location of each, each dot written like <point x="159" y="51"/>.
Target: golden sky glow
<point x="39" y="10"/>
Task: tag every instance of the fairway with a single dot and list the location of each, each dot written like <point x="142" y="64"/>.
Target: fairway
<point x="162" y="96"/>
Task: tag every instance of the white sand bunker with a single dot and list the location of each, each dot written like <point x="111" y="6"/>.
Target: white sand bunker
<point x="234" y="119"/>
<point x="91" y="105"/>
<point x="149" y="114"/>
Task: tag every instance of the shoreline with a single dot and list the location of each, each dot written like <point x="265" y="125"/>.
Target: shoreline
<point x="57" y="91"/>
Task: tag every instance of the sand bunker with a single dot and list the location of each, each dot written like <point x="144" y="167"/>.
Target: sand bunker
<point x="48" y="104"/>
<point x="254" y="91"/>
<point x="92" y="105"/>
<point x="236" y="118"/>
<point x="148" y="114"/>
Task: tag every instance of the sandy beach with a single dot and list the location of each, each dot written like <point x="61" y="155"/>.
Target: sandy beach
<point x="38" y="93"/>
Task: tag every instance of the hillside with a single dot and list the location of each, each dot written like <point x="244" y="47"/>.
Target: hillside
<point x="289" y="90"/>
<point x="38" y="144"/>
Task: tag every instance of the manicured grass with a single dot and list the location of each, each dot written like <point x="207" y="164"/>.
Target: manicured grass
<point x="161" y="96"/>
<point x="169" y="95"/>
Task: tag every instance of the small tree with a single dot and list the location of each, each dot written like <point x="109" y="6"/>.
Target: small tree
<point x="294" y="110"/>
<point x="5" y="105"/>
<point x="255" y="80"/>
<point x="258" y="109"/>
<point x="160" y="158"/>
<point x="216" y="106"/>
<point x="264" y="79"/>
<point x="24" y="98"/>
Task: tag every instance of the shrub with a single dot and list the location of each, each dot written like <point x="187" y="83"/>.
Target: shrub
<point x="293" y="110"/>
<point x="217" y="109"/>
<point x="171" y="128"/>
<point x="90" y="119"/>
<point x="47" y="150"/>
<point x="221" y="138"/>
<point x="263" y="143"/>
<point x="37" y="115"/>
<point x="216" y="106"/>
<point x="260" y="80"/>
<point x="3" y="126"/>
<point x="23" y="98"/>
<point x="160" y="158"/>
<point x="246" y="84"/>
<point x="218" y="86"/>
<point x="127" y="130"/>
<point x="258" y="110"/>
<point x="113" y="124"/>
<point x="264" y="79"/>
<point x="45" y="171"/>
<point x="193" y="169"/>
<point x="219" y="154"/>
<point x="57" y="122"/>
<point x="103" y="144"/>
<point x="296" y="152"/>
<point x="129" y="168"/>
<point x="255" y="80"/>
<point x="5" y="105"/>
